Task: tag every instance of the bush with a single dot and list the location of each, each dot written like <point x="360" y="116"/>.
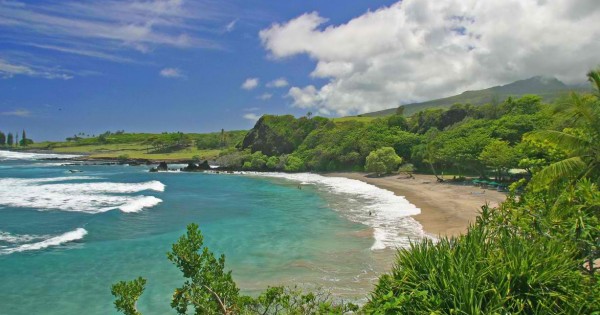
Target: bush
<point x="294" y="164"/>
<point x="382" y="161"/>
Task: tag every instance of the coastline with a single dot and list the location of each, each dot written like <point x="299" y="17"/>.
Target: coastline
<point x="446" y="209"/>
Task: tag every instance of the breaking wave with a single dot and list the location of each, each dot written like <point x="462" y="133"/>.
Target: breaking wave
<point x="60" y="193"/>
<point x="47" y="241"/>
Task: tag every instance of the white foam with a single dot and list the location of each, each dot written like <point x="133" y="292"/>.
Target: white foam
<point x="91" y="197"/>
<point x="388" y="214"/>
<point x="16" y="239"/>
<point x="138" y="204"/>
<point x="52" y="241"/>
<point x="12" y="155"/>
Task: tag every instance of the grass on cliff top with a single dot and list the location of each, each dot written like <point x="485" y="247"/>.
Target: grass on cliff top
<point x="136" y="151"/>
<point x="353" y="118"/>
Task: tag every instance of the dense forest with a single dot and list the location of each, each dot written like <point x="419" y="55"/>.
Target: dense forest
<point x="480" y="140"/>
<point x="537" y="253"/>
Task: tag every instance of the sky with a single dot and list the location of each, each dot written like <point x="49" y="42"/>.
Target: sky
<point x="198" y="66"/>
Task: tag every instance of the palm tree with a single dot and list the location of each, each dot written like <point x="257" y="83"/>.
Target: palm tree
<point x="582" y="143"/>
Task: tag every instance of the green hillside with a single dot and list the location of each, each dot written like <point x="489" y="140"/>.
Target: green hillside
<point x="164" y="146"/>
<point x="548" y="88"/>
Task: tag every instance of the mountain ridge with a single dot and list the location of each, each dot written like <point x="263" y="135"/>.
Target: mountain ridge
<point x="549" y="88"/>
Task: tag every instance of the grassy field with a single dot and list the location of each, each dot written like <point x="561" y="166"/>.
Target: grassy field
<point x="136" y="151"/>
<point x="353" y="118"/>
<point x="163" y="146"/>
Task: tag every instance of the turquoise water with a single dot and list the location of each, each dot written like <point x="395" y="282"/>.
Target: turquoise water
<point x="66" y="237"/>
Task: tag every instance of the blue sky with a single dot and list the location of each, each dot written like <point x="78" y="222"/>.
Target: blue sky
<point x="199" y="66"/>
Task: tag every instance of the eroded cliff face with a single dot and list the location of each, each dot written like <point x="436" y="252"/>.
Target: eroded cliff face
<point x="276" y="135"/>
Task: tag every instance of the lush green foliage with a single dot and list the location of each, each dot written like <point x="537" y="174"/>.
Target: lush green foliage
<point x="127" y="293"/>
<point x="383" y="161"/>
<point x="463" y="132"/>
<point x="208" y="289"/>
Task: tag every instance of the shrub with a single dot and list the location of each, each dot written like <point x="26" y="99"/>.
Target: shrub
<point x="382" y="161"/>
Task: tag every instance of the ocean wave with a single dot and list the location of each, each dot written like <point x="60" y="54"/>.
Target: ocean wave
<point x="389" y="215"/>
<point x="16" y="238"/>
<point x="90" y="197"/>
<point x="11" y="155"/>
<point x="51" y="241"/>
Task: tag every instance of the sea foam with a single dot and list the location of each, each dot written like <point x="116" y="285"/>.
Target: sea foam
<point x="387" y="214"/>
<point x="67" y="237"/>
<point x="59" y="193"/>
<point x="11" y="155"/>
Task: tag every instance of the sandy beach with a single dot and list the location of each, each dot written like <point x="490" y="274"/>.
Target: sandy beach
<point x="446" y="209"/>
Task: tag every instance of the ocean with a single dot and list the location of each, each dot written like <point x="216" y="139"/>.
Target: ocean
<point x="66" y="237"/>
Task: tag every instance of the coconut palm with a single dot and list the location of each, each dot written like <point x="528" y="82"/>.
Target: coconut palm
<point x="582" y="142"/>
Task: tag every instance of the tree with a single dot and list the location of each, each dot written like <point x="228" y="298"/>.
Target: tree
<point x="127" y="294"/>
<point x="9" y="139"/>
<point x="582" y="142"/>
<point x="273" y="162"/>
<point x="400" y="110"/>
<point x="208" y="288"/>
<point x="382" y="161"/>
<point x="499" y="155"/>
<point x="293" y="164"/>
<point x="2" y="138"/>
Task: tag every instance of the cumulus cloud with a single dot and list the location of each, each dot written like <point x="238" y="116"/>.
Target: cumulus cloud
<point x="416" y="50"/>
<point x="17" y="112"/>
<point x="265" y="96"/>
<point x="250" y="84"/>
<point x="251" y="116"/>
<point x="278" y="83"/>
<point x="172" y="73"/>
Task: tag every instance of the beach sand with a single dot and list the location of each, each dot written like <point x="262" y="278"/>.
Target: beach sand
<point x="446" y="209"/>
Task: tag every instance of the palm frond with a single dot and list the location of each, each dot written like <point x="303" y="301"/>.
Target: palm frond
<point x="594" y="77"/>
<point x="573" y="144"/>
<point x="570" y="168"/>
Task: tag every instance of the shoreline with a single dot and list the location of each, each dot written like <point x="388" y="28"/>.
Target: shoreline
<point x="446" y="209"/>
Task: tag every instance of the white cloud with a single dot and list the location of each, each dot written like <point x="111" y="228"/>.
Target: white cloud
<point x="112" y="25"/>
<point x="17" y="112"/>
<point x="172" y="73"/>
<point x="250" y="84"/>
<point x="112" y="30"/>
<point x="9" y="69"/>
<point x="417" y="50"/>
<point x="265" y="96"/>
<point x="230" y="26"/>
<point x="251" y="116"/>
<point x="278" y="83"/>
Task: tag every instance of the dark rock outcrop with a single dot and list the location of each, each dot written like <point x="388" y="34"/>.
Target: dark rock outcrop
<point x="162" y="166"/>
<point x="191" y="167"/>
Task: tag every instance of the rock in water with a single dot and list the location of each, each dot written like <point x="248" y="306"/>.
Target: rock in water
<point x="162" y="166"/>
<point x="191" y="167"/>
<point x="204" y="165"/>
